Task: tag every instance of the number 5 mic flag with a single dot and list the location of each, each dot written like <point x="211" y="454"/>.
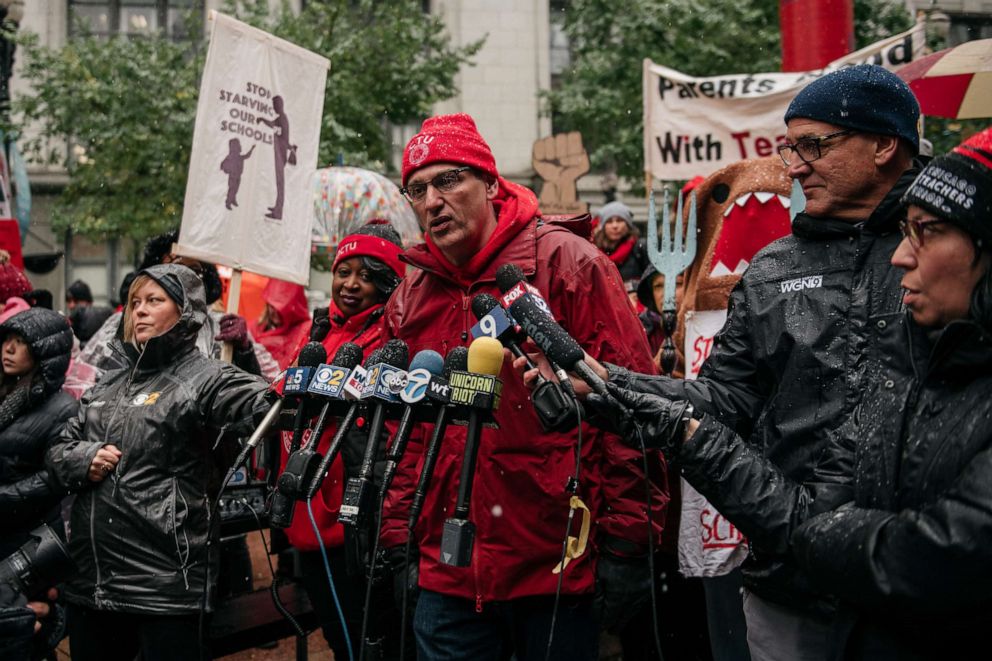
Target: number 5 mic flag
<point x="248" y="202"/>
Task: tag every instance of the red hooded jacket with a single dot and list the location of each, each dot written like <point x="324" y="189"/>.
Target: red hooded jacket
<point x="365" y="330"/>
<point x="290" y="301"/>
<point x="519" y="503"/>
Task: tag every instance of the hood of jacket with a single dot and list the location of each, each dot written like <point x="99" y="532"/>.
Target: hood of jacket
<point x="164" y="348"/>
<point x="49" y="339"/>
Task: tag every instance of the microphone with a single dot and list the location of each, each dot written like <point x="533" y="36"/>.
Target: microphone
<point x="555" y="411"/>
<point x="296" y="383"/>
<point x="385" y="380"/>
<point x="327" y="382"/>
<point x="534" y="316"/>
<point x="425" y="364"/>
<point x="352" y="389"/>
<point x="439" y="391"/>
<point x="479" y="389"/>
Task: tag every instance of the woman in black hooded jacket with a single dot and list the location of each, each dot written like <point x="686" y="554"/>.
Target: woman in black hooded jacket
<point x="33" y="411"/>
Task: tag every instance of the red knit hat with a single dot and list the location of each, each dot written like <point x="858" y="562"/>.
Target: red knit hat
<point x="13" y="282"/>
<point x="363" y="245"/>
<point x="448" y="139"/>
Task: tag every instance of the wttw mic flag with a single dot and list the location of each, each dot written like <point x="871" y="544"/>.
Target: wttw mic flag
<point x="695" y="126"/>
<point x="248" y="201"/>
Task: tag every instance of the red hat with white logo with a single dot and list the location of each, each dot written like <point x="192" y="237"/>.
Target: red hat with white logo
<point x="448" y="139"/>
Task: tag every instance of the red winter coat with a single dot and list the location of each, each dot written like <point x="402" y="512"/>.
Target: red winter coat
<point x="290" y="301"/>
<point x="519" y="503"/>
<point x="365" y="330"/>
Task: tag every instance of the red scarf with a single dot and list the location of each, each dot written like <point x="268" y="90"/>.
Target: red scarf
<point x="515" y="206"/>
<point x="622" y="251"/>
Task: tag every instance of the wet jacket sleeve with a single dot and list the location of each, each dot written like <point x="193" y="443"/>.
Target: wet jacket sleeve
<point x="235" y="399"/>
<point x="753" y="493"/>
<point x="68" y="459"/>
<point x="928" y="561"/>
<point x="613" y="333"/>
<point x="729" y="386"/>
<point x="41" y="487"/>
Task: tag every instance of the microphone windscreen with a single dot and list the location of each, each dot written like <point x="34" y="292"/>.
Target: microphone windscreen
<point x="485" y="356"/>
<point x="455" y="361"/>
<point x="428" y="360"/>
<point x="311" y="355"/>
<point x="395" y="353"/>
<point x="546" y="333"/>
<point x="482" y="304"/>
<point x="374" y="358"/>
<point x="349" y="355"/>
<point x="507" y="276"/>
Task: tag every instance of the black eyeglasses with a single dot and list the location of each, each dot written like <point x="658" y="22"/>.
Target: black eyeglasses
<point x="808" y="149"/>
<point x="915" y="230"/>
<point x="445" y="182"/>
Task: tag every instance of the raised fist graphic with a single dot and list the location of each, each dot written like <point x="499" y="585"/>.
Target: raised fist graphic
<point x="560" y="160"/>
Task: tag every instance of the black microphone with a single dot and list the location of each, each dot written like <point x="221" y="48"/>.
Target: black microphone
<point x="328" y="381"/>
<point x="438" y="390"/>
<point x="352" y="389"/>
<point x="424" y="366"/>
<point x="383" y="384"/>
<point x="534" y="316"/>
<point x="296" y="383"/>
<point x="555" y="411"/>
<point x="479" y="389"/>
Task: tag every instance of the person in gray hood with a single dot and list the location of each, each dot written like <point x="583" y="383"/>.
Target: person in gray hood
<point x="141" y="456"/>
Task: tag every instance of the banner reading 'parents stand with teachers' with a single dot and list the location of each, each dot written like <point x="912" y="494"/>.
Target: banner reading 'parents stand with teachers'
<point x="695" y="126"/>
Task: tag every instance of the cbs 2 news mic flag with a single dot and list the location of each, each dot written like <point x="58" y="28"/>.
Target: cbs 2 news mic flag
<point x="248" y="202"/>
<point x="695" y="126"/>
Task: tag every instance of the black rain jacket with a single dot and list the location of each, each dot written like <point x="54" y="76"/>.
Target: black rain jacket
<point x="910" y="558"/>
<point x="817" y="315"/>
<point x="139" y="537"/>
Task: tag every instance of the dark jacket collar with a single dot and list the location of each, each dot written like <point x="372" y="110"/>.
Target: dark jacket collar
<point x="962" y="352"/>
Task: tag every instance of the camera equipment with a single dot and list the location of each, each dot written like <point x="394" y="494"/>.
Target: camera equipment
<point x="39" y="564"/>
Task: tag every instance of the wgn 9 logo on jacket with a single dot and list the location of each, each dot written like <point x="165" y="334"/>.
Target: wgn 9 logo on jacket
<point x="329" y="381"/>
<point x="416" y="385"/>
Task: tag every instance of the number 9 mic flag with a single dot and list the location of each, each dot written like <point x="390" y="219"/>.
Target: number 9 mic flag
<point x="248" y="201"/>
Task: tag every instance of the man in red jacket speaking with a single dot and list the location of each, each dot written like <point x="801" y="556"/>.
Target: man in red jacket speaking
<point x="475" y="221"/>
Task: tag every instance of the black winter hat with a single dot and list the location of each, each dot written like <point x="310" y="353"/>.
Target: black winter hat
<point x="866" y="98"/>
<point x="958" y="187"/>
<point x="79" y="291"/>
<point x="49" y="339"/>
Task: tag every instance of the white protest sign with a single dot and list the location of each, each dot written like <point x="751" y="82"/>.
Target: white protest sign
<point x="695" y="126"/>
<point x="248" y="201"/>
<point x="709" y="544"/>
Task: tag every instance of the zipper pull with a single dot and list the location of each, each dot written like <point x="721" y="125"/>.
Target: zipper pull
<point x="478" y="603"/>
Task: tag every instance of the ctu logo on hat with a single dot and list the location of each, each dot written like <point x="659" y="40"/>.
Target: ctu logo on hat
<point x="420" y="149"/>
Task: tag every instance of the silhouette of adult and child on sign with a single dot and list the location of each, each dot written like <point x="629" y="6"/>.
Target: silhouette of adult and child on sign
<point x="234" y="163"/>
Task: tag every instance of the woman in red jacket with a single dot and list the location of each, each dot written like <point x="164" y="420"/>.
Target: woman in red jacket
<point x="366" y="270"/>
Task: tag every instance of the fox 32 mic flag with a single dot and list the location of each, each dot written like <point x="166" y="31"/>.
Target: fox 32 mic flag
<point x="248" y="201"/>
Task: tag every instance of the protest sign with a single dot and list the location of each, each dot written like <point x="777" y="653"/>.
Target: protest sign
<point x="695" y="126"/>
<point x="248" y="203"/>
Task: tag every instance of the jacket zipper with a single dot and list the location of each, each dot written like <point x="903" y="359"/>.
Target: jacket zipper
<point x="127" y="394"/>
<point x="97" y="590"/>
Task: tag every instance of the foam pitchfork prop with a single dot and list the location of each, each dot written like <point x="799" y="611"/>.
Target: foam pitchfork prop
<point x="671" y="258"/>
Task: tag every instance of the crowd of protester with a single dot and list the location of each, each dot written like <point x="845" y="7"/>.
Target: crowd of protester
<point x="842" y="428"/>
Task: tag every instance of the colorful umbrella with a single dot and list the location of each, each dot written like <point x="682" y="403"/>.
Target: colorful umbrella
<point x="345" y="198"/>
<point x="955" y="82"/>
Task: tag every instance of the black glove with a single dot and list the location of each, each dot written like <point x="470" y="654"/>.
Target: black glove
<point x="623" y="587"/>
<point x="321" y="324"/>
<point x="636" y="417"/>
<point x="405" y="575"/>
<point x="233" y="329"/>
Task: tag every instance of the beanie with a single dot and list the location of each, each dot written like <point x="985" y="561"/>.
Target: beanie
<point x="364" y="245"/>
<point x="617" y="210"/>
<point x="448" y="139"/>
<point x="866" y="98"/>
<point x="13" y="282"/>
<point x="79" y="291"/>
<point x="171" y="285"/>
<point x="958" y="186"/>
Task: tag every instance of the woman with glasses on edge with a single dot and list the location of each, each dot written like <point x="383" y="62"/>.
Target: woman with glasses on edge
<point x="142" y="457"/>
<point x="897" y="521"/>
